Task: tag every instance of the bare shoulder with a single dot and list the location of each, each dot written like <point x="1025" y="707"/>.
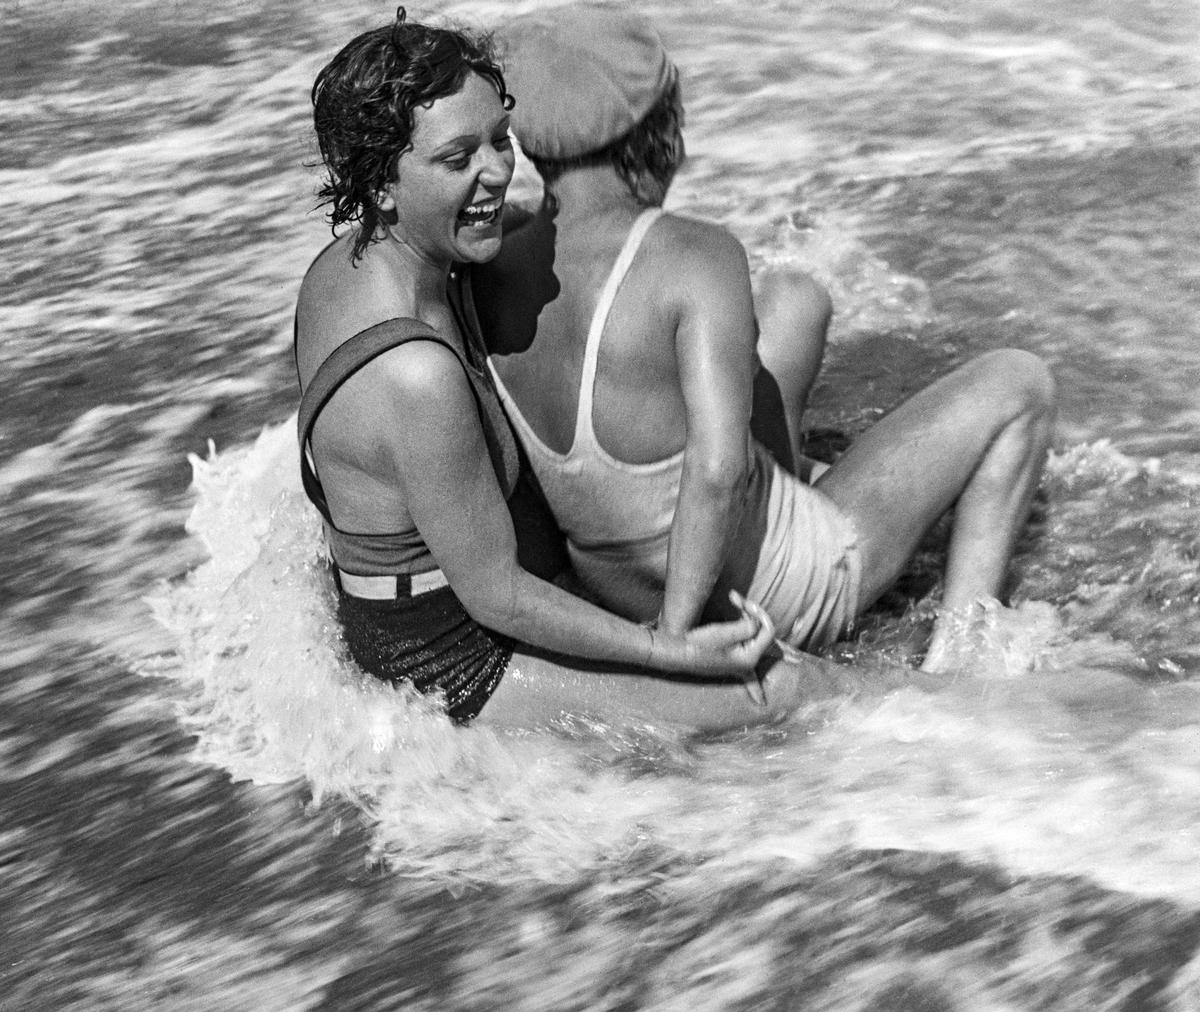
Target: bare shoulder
<point x="702" y="241"/>
<point x="412" y="399"/>
<point x="700" y="250"/>
<point x="421" y="408"/>
<point x="339" y="297"/>
<point x="331" y="277"/>
<point x="706" y="260"/>
<point x="422" y="369"/>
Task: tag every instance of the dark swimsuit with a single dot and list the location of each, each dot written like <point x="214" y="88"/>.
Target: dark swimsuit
<point x="424" y="638"/>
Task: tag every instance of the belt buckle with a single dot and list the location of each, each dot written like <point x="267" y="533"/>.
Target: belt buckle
<point x="391" y="588"/>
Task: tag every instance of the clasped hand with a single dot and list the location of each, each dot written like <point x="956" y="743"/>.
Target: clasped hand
<point x="720" y="649"/>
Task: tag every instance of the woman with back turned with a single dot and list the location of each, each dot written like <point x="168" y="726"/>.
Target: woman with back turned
<point x="627" y="365"/>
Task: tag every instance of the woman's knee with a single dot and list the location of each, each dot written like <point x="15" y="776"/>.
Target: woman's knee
<point x="1022" y="380"/>
<point x="814" y="300"/>
<point x="794" y="311"/>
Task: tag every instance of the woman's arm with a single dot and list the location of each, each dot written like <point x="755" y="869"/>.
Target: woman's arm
<point x="427" y="434"/>
<point x="714" y="349"/>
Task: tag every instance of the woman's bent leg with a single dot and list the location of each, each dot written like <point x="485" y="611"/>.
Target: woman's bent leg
<point x="793" y="314"/>
<point x="976" y="440"/>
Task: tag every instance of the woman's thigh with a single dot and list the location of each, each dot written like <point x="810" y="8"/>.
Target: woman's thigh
<point x="537" y="690"/>
<point x="904" y="472"/>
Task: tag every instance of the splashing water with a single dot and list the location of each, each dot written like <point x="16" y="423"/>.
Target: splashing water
<point x="1047" y="756"/>
<point x="1018" y="836"/>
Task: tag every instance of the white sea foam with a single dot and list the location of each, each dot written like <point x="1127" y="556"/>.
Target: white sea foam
<point x="973" y="175"/>
<point x="1045" y="757"/>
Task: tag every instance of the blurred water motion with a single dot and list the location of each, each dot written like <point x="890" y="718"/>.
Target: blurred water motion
<point x="203" y="805"/>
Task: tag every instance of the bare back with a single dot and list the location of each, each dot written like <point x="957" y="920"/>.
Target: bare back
<point x="639" y="412"/>
<point x="674" y="366"/>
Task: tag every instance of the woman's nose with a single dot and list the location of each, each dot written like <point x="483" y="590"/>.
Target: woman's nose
<point x="497" y="169"/>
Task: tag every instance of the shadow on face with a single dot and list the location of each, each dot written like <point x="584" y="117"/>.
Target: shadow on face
<point x="512" y="291"/>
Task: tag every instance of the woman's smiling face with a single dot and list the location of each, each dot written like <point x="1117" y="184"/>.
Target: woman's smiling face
<point x="449" y="189"/>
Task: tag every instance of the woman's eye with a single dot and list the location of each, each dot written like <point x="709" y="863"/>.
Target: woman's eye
<point x="502" y="142"/>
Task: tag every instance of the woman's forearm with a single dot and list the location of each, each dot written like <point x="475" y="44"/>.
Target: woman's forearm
<point x="706" y="515"/>
<point x="544" y="615"/>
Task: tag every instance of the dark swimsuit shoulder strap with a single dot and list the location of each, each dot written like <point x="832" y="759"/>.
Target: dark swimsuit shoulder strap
<point x="343" y="362"/>
<point x="350" y="356"/>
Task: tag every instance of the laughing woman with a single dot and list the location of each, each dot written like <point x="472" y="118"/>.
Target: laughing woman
<point x="405" y="450"/>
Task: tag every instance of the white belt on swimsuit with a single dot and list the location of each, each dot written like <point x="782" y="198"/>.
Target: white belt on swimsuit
<point x="391" y="588"/>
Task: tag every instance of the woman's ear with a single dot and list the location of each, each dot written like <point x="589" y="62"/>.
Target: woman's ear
<point x="385" y="199"/>
<point x="385" y="204"/>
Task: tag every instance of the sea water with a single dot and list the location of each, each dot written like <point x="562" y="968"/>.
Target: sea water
<point x="205" y="805"/>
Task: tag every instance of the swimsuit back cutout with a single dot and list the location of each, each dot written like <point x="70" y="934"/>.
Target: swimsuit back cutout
<point x="599" y="501"/>
<point x="793" y="551"/>
<point x="404" y="551"/>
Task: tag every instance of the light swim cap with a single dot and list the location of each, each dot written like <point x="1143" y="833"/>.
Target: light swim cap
<point x="581" y="75"/>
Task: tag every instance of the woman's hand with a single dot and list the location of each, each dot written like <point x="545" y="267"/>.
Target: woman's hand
<point x="718" y="649"/>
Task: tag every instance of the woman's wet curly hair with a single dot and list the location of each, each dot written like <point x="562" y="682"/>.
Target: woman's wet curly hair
<point x="650" y="149"/>
<point x="363" y="103"/>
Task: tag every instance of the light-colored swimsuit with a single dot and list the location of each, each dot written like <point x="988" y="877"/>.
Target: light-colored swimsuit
<point x="794" y="551"/>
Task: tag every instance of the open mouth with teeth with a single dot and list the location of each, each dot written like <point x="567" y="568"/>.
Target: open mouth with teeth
<point x="481" y="215"/>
